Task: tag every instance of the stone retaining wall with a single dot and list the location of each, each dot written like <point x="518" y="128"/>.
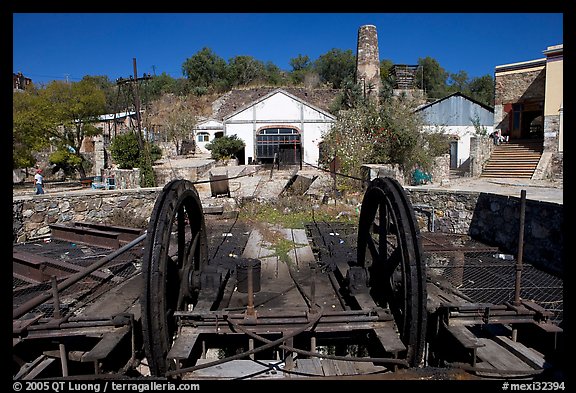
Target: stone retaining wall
<point x="490" y="218"/>
<point x="32" y="215"/>
<point x="495" y="220"/>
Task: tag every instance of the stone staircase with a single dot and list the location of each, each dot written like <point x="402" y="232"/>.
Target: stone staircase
<point x="515" y="159"/>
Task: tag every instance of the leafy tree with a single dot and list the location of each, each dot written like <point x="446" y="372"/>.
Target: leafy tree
<point x="205" y="69"/>
<point x="161" y="84"/>
<point x="125" y="150"/>
<point x="225" y="147"/>
<point x="386" y="78"/>
<point x="29" y="127"/>
<point x="64" y="159"/>
<point x="335" y="66"/>
<point x="350" y="97"/>
<point x="274" y="75"/>
<point x="244" y="70"/>
<point x="433" y="78"/>
<point x="65" y="112"/>
<point x="459" y="83"/>
<point x="482" y="89"/>
<point x="108" y="87"/>
<point x="301" y="66"/>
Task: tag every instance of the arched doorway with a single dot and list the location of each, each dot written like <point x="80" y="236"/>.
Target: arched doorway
<point x="284" y="141"/>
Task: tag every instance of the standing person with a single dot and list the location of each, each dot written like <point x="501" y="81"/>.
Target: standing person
<point x="39" y="182"/>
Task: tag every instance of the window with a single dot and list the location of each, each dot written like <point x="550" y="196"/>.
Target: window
<point x="203" y="137"/>
<point x="270" y="141"/>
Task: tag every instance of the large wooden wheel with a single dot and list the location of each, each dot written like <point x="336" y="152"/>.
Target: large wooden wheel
<point x="389" y="248"/>
<point x="175" y="252"/>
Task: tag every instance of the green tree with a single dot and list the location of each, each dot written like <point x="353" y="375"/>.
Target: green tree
<point x="161" y="84"/>
<point x="482" y="89"/>
<point x="205" y="69"/>
<point x="225" y="147"/>
<point x="274" y="75"/>
<point x="335" y="66"/>
<point x="432" y="78"/>
<point x="301" y="66"/>
<point x="108" y="87"/>
<point x="29" y="127"/>
<point x="65" y="112"/>
<point x="386" y="78"/>
<point x="459" y="82"/>
<point x="351" y="96"/>
<point x="244" y="70"/>
<point x="125" y="151"/>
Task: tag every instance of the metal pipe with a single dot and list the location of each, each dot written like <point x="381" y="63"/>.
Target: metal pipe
<point x="30" y="304"/>
<point x="518" y="283"/>
<point x="250" y="308"/>
<point x="520" y="248"/>
<point x="57" y="315"/>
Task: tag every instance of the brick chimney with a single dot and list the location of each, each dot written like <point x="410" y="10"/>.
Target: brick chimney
<point x="368" y="62"/>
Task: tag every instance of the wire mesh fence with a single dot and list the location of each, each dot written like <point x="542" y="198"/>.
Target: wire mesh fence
<point x="62" y="259"/>
<point x="489" y="277"/>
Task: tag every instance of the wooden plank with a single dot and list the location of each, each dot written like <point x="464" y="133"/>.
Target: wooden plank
<point x="464" y="336"/>
<point x="106" y="345"/>
<point x="237" y="369"/>
<point x="499" y="357"/>
<point x="184" y="344"/>
<point x="389" y="339"/>
<point x="549" y="327"/>
<point x="117" y="300"/>
<point x="309" y="366"/>
<point x="329" y="367"/>
<point x="344" y="367"/>
<point x="528" y="355"/>
<point x="303" y="252"/>
<point x="368" y="368"/>
<point x="253" y="245"/>
<point x="39" y="368"/>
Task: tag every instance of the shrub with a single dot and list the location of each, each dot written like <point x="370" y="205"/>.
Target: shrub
<point x="225" y="147"/>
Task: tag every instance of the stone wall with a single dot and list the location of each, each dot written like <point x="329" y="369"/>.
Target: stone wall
<point x="551" y="132"/>
<point x="124" y="179"/>
<point x="490" y="218"/>
<point x="32" y="215"/>
<point x="441" y="170"/>
<point x="480" y="151"/>
<point x="520" y="86"/>
<point x="495" y="219"/>
<point x="557" y="167"/>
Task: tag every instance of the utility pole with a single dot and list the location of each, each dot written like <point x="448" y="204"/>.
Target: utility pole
<point x="134" y="82"/>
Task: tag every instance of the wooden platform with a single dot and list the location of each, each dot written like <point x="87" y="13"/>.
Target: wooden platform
<point x="276" y="369"/>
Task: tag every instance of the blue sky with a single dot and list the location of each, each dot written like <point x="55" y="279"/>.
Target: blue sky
<point x="48" y="46"/>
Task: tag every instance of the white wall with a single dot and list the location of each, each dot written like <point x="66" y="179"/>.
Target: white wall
<point x="211" y="127"/>
<point x="464" y="134"/>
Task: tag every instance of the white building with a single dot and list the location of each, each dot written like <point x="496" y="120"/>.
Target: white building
<point x="278" y="122"/>
<point x="458" y="116"/>
<point x="206" y="131"/>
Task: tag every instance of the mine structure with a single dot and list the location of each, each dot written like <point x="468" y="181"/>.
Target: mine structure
<point x="197" y="297"/>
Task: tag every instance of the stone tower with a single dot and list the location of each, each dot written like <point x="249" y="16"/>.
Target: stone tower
<point x="368" y="62"/>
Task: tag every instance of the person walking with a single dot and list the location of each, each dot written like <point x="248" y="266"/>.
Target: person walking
<point x="39" y="182"/>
